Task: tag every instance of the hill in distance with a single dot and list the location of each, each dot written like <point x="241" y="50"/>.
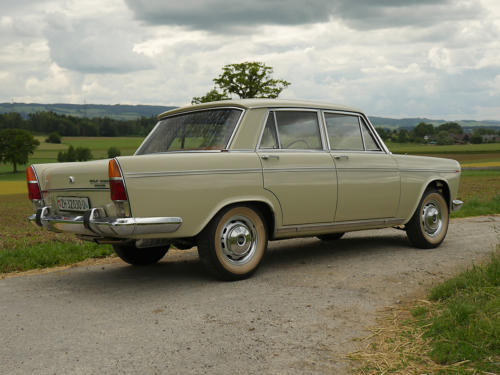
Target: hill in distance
<point x="131" y="112"/>
<point x="117" y="111"/>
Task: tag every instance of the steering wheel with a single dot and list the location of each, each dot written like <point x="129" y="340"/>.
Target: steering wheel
<point x="297" y="141"/>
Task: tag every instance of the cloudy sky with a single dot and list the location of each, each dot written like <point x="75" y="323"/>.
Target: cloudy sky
<point x="396" y="58"/>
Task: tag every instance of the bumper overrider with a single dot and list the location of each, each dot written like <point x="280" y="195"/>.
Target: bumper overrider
<point x="456" y="205"/>
<point x="95" y="223"/>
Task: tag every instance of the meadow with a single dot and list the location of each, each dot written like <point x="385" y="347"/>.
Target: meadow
<point x="47" y="152"/>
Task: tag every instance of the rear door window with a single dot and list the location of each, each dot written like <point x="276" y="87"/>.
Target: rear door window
<point x="292" y="130"/>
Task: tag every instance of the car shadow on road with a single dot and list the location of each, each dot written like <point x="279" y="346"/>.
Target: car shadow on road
<point x="311" y="249"/>
<point x="183" y="268"/>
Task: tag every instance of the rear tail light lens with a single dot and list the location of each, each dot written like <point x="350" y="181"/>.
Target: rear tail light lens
<point x="116" y="185"/>
<point x="34" y="192"/>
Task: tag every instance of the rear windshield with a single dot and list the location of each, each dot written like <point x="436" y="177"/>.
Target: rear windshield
<point x="201" y="130"/>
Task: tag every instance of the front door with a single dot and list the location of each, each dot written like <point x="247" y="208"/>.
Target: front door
<point x="296" y="167"/>
<point x="368" y="177"/>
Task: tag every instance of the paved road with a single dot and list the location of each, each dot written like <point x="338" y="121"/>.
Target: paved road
<point x="297" y="315"/>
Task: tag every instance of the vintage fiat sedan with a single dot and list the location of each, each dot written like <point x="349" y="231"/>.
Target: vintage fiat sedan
<point x="229" y="176"/>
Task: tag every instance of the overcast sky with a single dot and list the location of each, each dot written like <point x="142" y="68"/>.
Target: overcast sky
<point x="396" y="58"/>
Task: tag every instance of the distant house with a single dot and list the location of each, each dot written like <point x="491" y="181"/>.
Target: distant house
<point x="490" y="138"/>
<point x="460" y="138"/>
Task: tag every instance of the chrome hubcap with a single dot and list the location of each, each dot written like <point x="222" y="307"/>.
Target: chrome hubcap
<point x="238" y="240"/>
<point x="432" y="219"/>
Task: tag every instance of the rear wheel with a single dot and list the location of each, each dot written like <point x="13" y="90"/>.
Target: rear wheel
<point x="140" y="257"/>
<point x="233" y="244"/>
<point x="331" y="236"/>
<point x="429" y="224"/>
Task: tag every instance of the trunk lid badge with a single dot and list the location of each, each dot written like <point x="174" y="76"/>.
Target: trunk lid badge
<point x="71" y="179"/>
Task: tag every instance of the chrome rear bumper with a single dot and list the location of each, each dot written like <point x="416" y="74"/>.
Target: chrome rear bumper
<point x="456" y="205"/>
<point x="94" y="222"/>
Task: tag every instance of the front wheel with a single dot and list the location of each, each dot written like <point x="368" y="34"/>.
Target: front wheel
<point x="233" y="244"/>
<point x="140" y="257"/>
<point x="428" y="226"/>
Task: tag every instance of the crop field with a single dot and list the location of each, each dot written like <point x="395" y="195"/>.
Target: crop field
<point x="47" y="152"/>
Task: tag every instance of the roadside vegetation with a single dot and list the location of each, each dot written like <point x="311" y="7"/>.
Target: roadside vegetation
<point x="455" y="331"/>
<point x="24" y="247"/>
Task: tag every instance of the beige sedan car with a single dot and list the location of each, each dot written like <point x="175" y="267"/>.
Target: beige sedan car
<point x="229" y="176"/>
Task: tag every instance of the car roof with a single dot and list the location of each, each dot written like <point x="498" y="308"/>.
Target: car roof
<point x="260" y="103"/>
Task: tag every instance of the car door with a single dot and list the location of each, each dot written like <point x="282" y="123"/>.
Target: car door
<point x="368" y="176"/>
<point x="297" y="167"/>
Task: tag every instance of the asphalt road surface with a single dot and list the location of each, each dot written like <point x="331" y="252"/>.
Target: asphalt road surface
<point x="297" y="315"/>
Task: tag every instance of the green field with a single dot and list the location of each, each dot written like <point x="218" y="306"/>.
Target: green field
<point x="418" y="149"/>
<point x="47" y="152"/>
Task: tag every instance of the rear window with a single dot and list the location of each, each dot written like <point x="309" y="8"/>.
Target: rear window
<point x="201" y="130"/>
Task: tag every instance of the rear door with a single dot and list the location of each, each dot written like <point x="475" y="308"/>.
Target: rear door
<point x="297" y="167"/>
<point x="368" y="176"/>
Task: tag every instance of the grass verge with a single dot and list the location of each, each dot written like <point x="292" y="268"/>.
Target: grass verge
<point x="50" y="255"/>
<point x="456" y="332"/>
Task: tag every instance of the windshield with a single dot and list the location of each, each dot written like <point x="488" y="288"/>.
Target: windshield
<point x="201" y="130"/>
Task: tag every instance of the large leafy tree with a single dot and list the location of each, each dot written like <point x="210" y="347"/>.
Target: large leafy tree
<point x="246" y="80"/>
<point x="16" y="145"/>
<point x="211" y="96"/>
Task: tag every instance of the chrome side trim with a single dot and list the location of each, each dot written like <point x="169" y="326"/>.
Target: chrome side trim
<point x="456" y="205"/>
<point x="76" y="189"/>
<point x="299" y="169"/>
<point x="367" y="169"/>
<point x="431" y="170"/>
<point x="191" y="172"/>
<point x="339" y="225"/>
<point x="94" y="223"/>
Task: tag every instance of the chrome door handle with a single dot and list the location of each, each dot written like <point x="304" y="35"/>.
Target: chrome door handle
<point x="267" y="157"/>
<point x="340" y="157"/>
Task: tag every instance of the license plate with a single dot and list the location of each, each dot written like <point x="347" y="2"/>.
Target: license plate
<point x="73" y="204"/>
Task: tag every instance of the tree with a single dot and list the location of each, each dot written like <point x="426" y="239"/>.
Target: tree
<point x="16" y="145"/>
<point x="444" y="138"/>
<point x="451" y="128"/>
<point x="246" y="80"/>
<point x="83" y="154"/>
<point x="113" y="152"/>
<point x="403" y="135"/>
<point x="423" y="129"/>
<point x="53" y="137"/>
<point x="211" y="96"/>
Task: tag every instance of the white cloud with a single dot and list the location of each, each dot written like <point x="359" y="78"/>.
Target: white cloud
<point x="387" y="57"/>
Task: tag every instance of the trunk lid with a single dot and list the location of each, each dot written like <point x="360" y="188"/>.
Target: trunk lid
<point x="77" y="175"/>
<point x="86" y="181"/>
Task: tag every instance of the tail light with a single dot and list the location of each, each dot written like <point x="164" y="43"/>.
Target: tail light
<point x="33" y="185"/>
<point x="116" y="185"/>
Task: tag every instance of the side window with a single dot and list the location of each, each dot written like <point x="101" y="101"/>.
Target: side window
<point x="370" y="144"/>
<point x="343" y="132"/>
<point x="269" y="137"/>
<point x="298" y="130"/>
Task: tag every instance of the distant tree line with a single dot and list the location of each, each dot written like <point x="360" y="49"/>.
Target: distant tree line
<point x="444" y="134"/>
<point x="50" y="122"/>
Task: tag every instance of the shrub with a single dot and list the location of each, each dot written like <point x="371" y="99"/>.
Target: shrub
<point x="53" y="137"/>
<point x="113" y="152"/>
<point x="78" y="154"/>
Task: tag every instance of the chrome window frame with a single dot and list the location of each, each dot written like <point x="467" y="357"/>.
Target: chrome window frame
<point x="322" y="133"/>
<point x="360" y="117"/>
<point x="228" y="144"/>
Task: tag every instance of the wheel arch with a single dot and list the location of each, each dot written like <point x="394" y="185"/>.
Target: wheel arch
<point x="262" y="206"/>
<point x="438" y="184"/>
